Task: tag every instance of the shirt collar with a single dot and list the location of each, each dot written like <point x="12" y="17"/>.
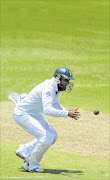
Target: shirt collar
<point x="55" y="84"/>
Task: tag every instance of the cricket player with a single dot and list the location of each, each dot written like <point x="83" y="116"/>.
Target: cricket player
<point x="44" y="98"/>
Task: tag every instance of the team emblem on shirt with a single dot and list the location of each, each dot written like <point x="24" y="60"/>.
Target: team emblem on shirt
<point x="48" y="93"/>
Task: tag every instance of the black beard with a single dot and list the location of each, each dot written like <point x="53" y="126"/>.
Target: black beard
<point x="61" y="87"/>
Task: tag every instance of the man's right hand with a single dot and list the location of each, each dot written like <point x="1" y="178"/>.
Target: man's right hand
<point x="74" y="113"/>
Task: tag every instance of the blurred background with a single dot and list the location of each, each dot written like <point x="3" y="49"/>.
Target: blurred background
<point x="39" y="36"/>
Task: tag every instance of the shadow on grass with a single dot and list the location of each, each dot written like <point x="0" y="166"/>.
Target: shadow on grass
<point x="69" y="173"/>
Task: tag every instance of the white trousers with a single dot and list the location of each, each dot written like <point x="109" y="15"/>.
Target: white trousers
<point x="45" y="135"/>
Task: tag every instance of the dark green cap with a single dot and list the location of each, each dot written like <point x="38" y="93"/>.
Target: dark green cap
<point x="64" y="72"/>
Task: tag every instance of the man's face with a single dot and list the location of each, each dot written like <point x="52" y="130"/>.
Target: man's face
<point x="64" y="82"/>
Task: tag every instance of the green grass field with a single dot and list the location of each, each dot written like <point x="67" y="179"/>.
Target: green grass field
<point x="39" y="36"/>
<point x="57" y="165"/>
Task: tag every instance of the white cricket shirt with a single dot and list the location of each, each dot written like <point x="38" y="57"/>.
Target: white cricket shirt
<point x="44" y="98"/>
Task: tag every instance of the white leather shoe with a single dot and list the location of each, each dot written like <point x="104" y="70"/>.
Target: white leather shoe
<point x="19" y="155"/>
<point x="25" y="166"/>
<point x="19" y="152"/>
<point x="37" y="170"/>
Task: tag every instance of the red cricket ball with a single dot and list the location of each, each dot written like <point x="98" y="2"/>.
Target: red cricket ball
<point x="96" y="111"/>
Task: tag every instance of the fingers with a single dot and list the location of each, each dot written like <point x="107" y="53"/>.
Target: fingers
<point x="76" y="109"/>
<point x="74" y="114"/>
<point x="77" y="113"/>
<point x="76" y="118"/>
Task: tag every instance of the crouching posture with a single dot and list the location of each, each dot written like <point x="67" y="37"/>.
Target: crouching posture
<point x="44" y="98"/>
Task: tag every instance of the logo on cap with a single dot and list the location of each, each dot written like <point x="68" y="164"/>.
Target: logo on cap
<point x="70" y="73"/>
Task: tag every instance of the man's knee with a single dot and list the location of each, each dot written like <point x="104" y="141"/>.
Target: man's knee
<point x="48" y="140"/>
